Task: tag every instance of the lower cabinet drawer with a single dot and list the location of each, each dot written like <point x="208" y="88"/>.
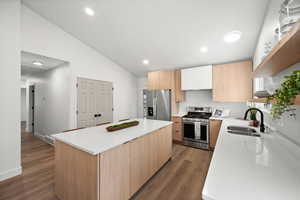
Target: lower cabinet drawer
<point x="177" y="134"/>
<point x="177" y="128"/>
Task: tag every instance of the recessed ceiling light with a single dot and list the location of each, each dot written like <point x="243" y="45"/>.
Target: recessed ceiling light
<point x="203" y="49"/>
<point x="38" y="63"/>
<point x="146" y="62"/>
<point x="89" y="11"/>
<point x="232" y="36"/>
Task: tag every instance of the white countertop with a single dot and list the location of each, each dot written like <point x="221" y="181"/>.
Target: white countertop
<point x="95" y="140"/>
<point x="218" y="118"/>
<point x="246" y="167"/>
<point x="179" y="115"/>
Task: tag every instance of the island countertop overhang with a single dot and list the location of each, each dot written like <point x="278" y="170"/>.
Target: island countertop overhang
<point x="95" y="140"/>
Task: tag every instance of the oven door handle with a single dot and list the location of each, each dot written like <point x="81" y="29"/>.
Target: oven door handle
<point x="201" y="123"/>
<point x="188" y="122"/>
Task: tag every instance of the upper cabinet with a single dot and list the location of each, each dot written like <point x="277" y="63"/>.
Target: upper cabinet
<point x="161" y="80"/>
<point x="232" y="82"/>
<point x="153" y="81"/>
<point x="166" y="79"/>
<point x="179" y="95"/>
<point x="197" y="78"/>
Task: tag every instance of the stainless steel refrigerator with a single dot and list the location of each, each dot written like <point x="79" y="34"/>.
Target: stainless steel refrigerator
<point x="157" y="104"/>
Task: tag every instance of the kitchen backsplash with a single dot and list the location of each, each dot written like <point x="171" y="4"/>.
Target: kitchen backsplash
<point x="289" y="126"/>
<point x="204" y="98"/>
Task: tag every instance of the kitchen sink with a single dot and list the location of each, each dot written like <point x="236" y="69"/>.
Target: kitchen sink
<point x="240" y="130"/>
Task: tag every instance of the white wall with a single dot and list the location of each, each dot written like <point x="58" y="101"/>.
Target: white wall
<point x="267" y="34"/>
<point x="288" y="126"/>
<point x="142" y="84"/>
<point x="51" y="100"/>
<point x="42" y="37"/>
<point x="23" y="105"/>
<point x="10" y="139"/>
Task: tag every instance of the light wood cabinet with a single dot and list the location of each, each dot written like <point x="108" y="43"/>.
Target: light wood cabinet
<point x="161" y="80"/>
<point x="152" y="141"/>
<point x="153" y="80"/>
<point x="164" y="145"/>
<point x="179" y="94"/>
<point x="75" y="183"/>
<point x="167" y="79"/>
<point x="147" y="154"/>
<point x="232" y="82"/>
<point x="139" y="165"/>
<point x="114" y="172"/>
<point x="214" y="126"/>
<point x="177" y="128"/>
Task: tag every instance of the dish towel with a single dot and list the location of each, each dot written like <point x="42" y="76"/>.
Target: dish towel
<point x="197" y="130"/>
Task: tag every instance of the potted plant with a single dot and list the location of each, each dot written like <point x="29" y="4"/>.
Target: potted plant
<point x="254" y="122"/>
<point x="283" y="98"/>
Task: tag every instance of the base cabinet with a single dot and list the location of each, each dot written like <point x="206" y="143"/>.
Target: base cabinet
<point x="215" y="126"/>
<point x="164" y="145"/>
<point x="148" y="154"/>
<point x="177" y="129"/>
<point x="139" y="163"/>
<point x="115" y="174"/>
<point x="75" y="173"/>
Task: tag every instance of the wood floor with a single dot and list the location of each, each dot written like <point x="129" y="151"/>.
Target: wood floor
<point x="181" y="178"/>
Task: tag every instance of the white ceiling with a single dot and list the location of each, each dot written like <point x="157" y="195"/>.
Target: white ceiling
<point x="29" y="69"/>
<point x="169" y="33"/>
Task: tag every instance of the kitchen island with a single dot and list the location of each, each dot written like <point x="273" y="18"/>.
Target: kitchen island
<point x="93" y="164"/>
<point x="247" y="167"/>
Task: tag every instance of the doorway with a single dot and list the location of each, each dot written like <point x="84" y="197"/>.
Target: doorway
<point x="23" y="110"/>
<point x="31" y="109"/>
<point x="94" y="102"/>
<point x="48" y="85"/>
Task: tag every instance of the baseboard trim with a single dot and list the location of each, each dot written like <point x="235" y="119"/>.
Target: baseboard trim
<point x="46" y="139"/>
<point x="36" y="134"/>
<point x="10" y="173"/>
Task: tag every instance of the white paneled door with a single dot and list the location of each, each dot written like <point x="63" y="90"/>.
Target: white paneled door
<point x="94" y="102"/>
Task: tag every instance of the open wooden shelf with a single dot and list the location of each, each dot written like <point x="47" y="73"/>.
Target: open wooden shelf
<point x="283" y="55"/>
<point x="264" y="100"/>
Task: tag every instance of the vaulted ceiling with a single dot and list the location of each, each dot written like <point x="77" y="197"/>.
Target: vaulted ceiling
<point x="168" y="33"/>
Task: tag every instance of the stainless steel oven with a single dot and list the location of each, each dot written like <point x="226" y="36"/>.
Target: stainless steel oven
<point x="196" y="128"/>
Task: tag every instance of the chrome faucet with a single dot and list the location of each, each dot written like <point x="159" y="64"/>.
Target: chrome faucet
<point x="262" y="126"/>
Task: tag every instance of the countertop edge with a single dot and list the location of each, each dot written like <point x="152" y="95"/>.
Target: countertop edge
<point x="56" y="137"/>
